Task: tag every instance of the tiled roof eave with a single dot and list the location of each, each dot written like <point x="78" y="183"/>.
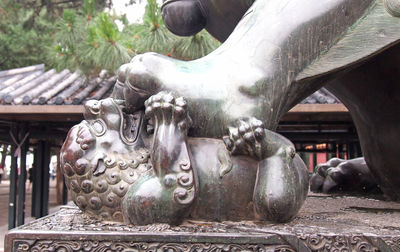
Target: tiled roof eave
<point x="319" y="108"/>
<point x="42" y="109"/>
<point x="79" y="109"/>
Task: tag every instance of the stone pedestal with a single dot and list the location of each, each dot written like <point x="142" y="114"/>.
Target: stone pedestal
<point x="324" y="224"/>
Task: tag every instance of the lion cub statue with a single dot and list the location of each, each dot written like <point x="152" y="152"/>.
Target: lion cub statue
<point x="141" y="167"/>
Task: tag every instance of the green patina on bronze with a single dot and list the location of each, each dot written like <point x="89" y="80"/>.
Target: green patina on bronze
<point x="207" y="149"/>
<point x="166" y="176"/>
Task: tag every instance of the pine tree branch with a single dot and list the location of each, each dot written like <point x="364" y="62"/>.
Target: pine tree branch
<point x="61" y="2"/>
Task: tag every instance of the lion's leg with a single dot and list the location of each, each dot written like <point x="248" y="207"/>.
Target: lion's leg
<point x="282" y="180"/>
<point x="257" y="65"/>
<point x="166" y="195"/>
<point x="371" y="94"/>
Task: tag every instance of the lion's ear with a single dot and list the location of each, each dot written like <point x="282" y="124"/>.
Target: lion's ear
<point x="375" y="32"/>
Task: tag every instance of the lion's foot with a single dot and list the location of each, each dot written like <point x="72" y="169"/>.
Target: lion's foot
<point x="170" y="156"/>
<point x="165" y="108"/>
<point x="246" y="138"/>
<point x="150" y="201"/>
<point x="166" y="195"/>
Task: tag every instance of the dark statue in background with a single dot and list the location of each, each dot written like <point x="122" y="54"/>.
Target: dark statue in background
<point x="195" y="139"/>
<point x="344" y="176"/>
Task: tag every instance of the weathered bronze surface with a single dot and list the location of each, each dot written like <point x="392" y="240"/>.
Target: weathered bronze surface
<point x="117" y="171"/>
<point x="282" y="51"/>
<point x="344" y="176"/>
<point x="259" y="79"/>
<point x="218" y="17"/>
<point x="323" y="224"/>
<point x="212" y="154"/>
<point x="371" y="93"/>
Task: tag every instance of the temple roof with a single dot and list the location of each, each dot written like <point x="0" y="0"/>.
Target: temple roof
<point x="51" y="103"/>
<point x="321" y="96"/>
<point x="33" y="85"/>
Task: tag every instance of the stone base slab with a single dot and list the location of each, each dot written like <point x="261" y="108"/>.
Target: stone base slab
<point x="325" y="223"/>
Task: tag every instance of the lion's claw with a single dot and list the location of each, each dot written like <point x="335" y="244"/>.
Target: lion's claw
<point x="165" y="108"/>
<point x="246" y="138"/>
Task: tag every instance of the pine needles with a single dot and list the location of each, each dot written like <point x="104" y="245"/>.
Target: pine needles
<point x="87" y="38"/>
<point x="195" y="46"/>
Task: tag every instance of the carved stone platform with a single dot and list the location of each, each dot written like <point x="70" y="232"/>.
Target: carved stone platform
<point x="325" y="223"/>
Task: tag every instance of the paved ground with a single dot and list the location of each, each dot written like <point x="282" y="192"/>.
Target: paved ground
<point x="4" y="192"/>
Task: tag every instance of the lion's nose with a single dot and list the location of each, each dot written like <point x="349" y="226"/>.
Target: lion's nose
<point x="92" y="106"/>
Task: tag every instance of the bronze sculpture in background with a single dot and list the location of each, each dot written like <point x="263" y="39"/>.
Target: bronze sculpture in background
<point x="345" y="177"/>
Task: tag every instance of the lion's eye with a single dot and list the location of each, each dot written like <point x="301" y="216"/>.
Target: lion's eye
<point x="99" y="127"/>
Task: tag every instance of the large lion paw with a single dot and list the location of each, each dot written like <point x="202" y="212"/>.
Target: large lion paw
<point x="166" y="108"/>
<point x="246" y="138"/>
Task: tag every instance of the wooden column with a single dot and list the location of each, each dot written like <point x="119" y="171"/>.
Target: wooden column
<point x="34" y="182"/>
<point x="41" y="184"/>
<point x="303" y="157"/>
<point x="59" y="181"/>
<point x="12" y="205"/>
<point x="341" y="151"/>
<point x="3" y="159"/>
<point x="329" y="151"/>
<point x="38" y="181"/>
<point x="335" y="150"/>
<point x="46" y="178"/>
<point x="64" y="193"/>
<point x="314" y="157"/>
<point x="22" y="175"/>
<point x="350" y="150"/>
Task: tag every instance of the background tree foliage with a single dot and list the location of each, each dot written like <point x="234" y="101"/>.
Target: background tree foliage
<point x="27" y="28"/>
<point x="24" y="34"/>
<point x="78" y="34"/>
<point x="87" y="40"/>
